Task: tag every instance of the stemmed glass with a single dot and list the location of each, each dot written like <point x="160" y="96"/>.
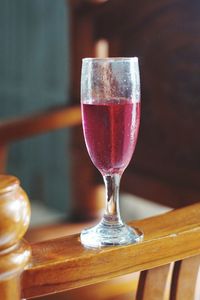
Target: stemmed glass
<point x="110" y="105"/>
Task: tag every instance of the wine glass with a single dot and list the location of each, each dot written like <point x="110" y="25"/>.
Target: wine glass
<point x="110" y="105"/>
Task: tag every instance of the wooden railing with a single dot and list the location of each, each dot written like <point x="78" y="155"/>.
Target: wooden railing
<point x="64" y="264"/>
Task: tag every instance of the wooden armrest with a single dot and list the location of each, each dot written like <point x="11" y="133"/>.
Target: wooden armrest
<point x="38" y="123"/>
<point x="64" y="264"/>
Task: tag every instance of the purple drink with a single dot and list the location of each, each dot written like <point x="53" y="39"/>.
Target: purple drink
<point x="110" y="130"/>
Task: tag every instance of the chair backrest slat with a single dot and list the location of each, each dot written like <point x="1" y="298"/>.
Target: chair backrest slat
<point x="186" y="279"/>
<point x="154" y="283"/>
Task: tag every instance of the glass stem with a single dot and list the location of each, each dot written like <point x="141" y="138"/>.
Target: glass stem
<point x="112" y="212"/>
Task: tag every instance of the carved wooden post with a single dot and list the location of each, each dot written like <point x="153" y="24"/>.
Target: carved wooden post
<point x="14" y="221"/>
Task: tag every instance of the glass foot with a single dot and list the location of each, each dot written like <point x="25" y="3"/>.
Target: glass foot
<point x="103" y="235"/>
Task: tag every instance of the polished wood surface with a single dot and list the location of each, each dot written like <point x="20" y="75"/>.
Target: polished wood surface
<point x="168" y="258"/>
<point x="168" y="237"/>
<point x="14" y="210"/>
<point x="10" y="289"/>
<point x="8" y="184"/>
<point x="14" y="221"/>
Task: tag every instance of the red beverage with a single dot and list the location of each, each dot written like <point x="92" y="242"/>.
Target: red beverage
<point x="110" y="130"/>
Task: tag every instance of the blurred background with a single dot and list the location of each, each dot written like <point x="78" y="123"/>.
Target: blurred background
<point x="42" y="43"/>
<point x="34" y="75"/>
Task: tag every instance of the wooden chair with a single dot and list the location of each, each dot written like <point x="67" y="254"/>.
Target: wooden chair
<point x="168" y="259"/>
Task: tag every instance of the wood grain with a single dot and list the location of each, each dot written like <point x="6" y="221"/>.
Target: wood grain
<point x="153" y="284"/>
<point x="169" y="237"/>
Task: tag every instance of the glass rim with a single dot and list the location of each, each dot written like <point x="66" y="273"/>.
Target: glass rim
<point x="134" y="58"/>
